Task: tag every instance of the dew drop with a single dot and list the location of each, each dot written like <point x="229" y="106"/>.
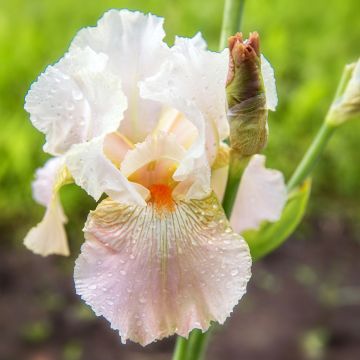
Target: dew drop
<point x="77" y="95"/>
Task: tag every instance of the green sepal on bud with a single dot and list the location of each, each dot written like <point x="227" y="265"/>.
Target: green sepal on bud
<point x="346" y="105"/>
<point x="247" y="110"/>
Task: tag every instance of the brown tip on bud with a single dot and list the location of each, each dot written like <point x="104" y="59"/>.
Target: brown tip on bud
<point x="242" y="51"/>
<point x="233" y="39"/>
<point x="254" y="42"/>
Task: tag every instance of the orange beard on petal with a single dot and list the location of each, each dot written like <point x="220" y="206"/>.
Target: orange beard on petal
<point x="161" y="198"/>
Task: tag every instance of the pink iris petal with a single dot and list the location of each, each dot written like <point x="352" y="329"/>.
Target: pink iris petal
<point x="154" y="274"/>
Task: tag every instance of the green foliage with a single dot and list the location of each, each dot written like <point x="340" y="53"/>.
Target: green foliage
<point x="307" y="42"/>
<point x="272" y="235"/>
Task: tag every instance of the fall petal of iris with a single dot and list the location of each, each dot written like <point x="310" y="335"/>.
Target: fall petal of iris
<point x="261" y="196"/>
<point x="49" y="236"/>
<point x="152" y="276"/>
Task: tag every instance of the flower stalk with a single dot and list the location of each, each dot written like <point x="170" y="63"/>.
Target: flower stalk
<point x="337" y="115"/>
<point x="232" y="16"/>
<point x="311" y="156"/>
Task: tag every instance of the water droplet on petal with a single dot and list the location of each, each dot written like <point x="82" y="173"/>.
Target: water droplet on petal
<point x="77" y="95"/>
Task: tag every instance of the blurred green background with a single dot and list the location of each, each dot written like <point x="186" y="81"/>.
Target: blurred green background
<point x="308" y="42"/>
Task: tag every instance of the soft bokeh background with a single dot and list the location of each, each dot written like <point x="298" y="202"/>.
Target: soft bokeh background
<point x="304" y="299"/>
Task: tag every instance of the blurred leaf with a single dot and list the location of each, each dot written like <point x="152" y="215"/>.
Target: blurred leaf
<point x="305" y="275"/>
<point x="36" y="332"/>
<point x="271" y="235"/>
<point x="314" y="343"/>
<point x="72" y="351"/>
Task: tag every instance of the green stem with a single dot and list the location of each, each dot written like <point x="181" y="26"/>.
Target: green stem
<point x="180" y="348"/>
<point x="236" y="168"/>
<point x="197" y="344"/>
<point x="231" y="24"/>
<point x="312" y="155"/>
<point x="322" y="137"/>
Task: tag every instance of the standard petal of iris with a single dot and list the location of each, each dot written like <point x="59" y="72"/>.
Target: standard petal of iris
<point x="96" y="174"/>
<point x="195" y="165"/>
<point x="152" y="276"/>
<point x="261" y="196"/>
<point x="75" y="100"/>
<point x="198" y="41"/>
<point x="49" y="236"/>
<point x="156" y="147"/>
<point x="134" y="44"/>
<point x="193" y="75"/>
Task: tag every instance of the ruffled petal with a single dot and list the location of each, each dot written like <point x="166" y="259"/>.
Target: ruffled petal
<point x="96" y="174"/>
<point x="49" y="237"/>
<point x="269" y="83"/>
<point x="198" y="41"/>
<point x="75" y="100"/>
<point x="261" y="196"/>
<point x="134" y="44"/>
<point x="152" y="276"/>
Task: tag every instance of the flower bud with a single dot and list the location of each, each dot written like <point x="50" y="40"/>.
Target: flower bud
<point x="346" y="105"/>
<point x="247" y="110"/>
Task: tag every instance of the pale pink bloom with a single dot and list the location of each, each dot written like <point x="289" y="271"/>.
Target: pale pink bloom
<point x="143" y="123"/>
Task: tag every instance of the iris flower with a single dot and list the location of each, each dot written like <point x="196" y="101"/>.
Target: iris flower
<point x="127" y="116"/>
